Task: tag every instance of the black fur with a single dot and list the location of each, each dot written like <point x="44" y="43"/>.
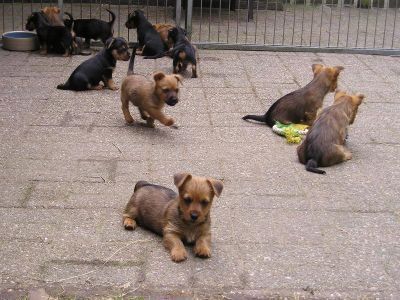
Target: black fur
<point x="312" y="166"/>
<point x="149" y="39"/>
<point x="182" y="46"/>
<point x="92" y="28"/>
<point x="57" y="39"/>
<point x="97" y="68"/>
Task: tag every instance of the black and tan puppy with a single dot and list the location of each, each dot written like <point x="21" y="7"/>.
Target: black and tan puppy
<point x="183" y="52"/>
<point x="57" y="39"/>
<point x="149" y="96"/>
<point x="324" y="143"/>
<point x="87" y="75"/>
<point x="94" y="29"/>
<point x="150" y="43"/>
<point x="182" y="217"/>
<point x="301" y="106"/>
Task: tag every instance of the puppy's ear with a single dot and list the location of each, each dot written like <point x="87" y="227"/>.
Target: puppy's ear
<point x="179" y="78"/>
<point x="339" y="94"/>
<point x="316" y="68"/>
<point x="158" y="76"/>
<point x="109" y="43"/>
<point x="57" y="10"/>
<point x="358" y="99"/>
<point x="337" y="70"/>
<point x="216" y="186"/>
<point x="181" y="178"/>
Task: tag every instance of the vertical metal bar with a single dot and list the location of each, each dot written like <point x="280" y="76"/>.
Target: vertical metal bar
<point x="22" y="14"/>
<point x="156" y="11"/>
<point x="189" y="13"/>
<point x="348" y="27"/>
<point x="90" y="9"/>
<point x="60" y="6"/>
<point x="330" y="24"/>
<point x="147" y="9"/>
<point x="302" y="23"/>
<point x="320" y="26"/>
<point x="128" y="15"/>
<point x="284" y="23"/>
<point x="209" y="22"/>
<point x="394" y="21"/>
<point x="219" y="18"/>
<point x="201" y="18"/>
<point x="255" y="31"/>
<point x="294" y="20"/>
<point x="366" y="26"/>
<point x="165" y="11"/>
<point x="384" y="27"/>
<point x="247" y="18"/>
<point x="376" y="21"/>
<point x="340" y="22"/>
<point x="81" y="9"/>
<point x="4" y="23"/>
<point x="237" y="19"/>
<point x="178" y="12"/>
<point x="119" y="18"/>
<point x="12" y="15"/>
<point x="312" y="21"/>
<point x="358" y="23"/>
<point x="265" y="21"/>
<point x="229" y="19"/>
<point x="273" y="37"/>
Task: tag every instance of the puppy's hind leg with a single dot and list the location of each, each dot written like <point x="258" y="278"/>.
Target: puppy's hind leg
<point x="194" y="71"/>
<point x="125" y="111"/>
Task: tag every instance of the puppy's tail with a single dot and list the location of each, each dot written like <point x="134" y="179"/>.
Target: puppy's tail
<point x="140" y="184"/>
<point x="112" y="17"/>
<point x="64" y="86"/>
<point x="312" y="166"/>
<point x="255" y="118"/>
<point x="132" y="62"/>
<point x="70" y="22"/>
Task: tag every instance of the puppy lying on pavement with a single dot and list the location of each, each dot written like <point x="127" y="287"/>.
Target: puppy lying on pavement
<point x="149" y="96"/>
<point x="150" y="43"/>
<point x="100" y="67"/>
<point x="323" y="145"/>
<point x="177" y="217"/>
<point x="183" y="53"/>
<point x="301" y="106"/>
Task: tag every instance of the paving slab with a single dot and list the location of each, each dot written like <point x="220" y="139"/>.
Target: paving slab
<point x="69" y="164"/>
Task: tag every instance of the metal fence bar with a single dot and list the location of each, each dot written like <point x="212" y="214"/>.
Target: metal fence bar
<point x="366" y="27"/>
<point x="320" y="25"/>
<point x="330" y="24"/>
<point x="312" y="21"/>
<point x="294" y="20"/>
<point x="189" y="18"/>
<point x="265" y="22"/>
<point x="384" y="28"/>
<point x="358" y="24"/>
<point x="219" y="18"/>
<point x="255" y="30"/>
<point x="394" y="21"/>
<point x="229" y="19"/>
<point x="302" y="23"/>
<point x="209" y="22"/>
<point x="376" y="22"/>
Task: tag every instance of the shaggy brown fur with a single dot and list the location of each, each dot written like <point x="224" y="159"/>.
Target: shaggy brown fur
<point x="162" y="29"/>
<point x="150" y="96"/>
<point x="323" y="145"/>
<point x="53" y="16"/>
<point x="183" y="217"/>
<point x="301" y="106"/>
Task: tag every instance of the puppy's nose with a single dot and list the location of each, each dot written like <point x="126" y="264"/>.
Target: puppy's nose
<point x="193" y="216"/>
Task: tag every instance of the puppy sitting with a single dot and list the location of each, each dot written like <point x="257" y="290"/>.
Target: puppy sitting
<point x="92" y="28"/>
<point x="100" y="67"/>
<point x="150" y="97"/>
<point x="51" y="38"/>
<point x="183" y="217"/>
<point x="183" y="53"/>
<point x="323" y="145"/>
<point x="53" y="16"/>
<point x="150" y="43"/>
<point x="301" y="106"/>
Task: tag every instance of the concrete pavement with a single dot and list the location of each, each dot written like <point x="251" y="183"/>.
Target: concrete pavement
<point x="69" y="164"/>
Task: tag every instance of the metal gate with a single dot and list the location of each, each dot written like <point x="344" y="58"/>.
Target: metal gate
<point x="363" y="26"/>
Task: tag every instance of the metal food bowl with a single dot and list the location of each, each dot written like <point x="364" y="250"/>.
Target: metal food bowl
<point x="20" y="41"/>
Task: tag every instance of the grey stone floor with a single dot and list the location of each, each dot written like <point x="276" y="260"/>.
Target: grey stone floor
<point x="69" y="163"/>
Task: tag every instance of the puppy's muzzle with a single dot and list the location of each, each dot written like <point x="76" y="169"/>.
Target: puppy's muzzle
<point x="172" y="101"/>
<point x="193" y="216"/>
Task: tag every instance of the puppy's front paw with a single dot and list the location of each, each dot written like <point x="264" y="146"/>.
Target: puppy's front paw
<point x="129" y="224"/>
<point x="114" y="88"/>
<point x="169" y="122"/>
<point x="178" y="254"/>
<point x="202" y="251"/>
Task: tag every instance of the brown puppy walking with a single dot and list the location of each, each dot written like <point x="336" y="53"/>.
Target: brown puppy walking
<point x="323" y="145"/>
<point x="301" y="106"/>
<point x="183" y="217"/>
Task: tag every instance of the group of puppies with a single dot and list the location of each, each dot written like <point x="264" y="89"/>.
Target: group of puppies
<point x="184" y="217"/>
<point x="64" y="36"/>
<point x="324" y="143"/>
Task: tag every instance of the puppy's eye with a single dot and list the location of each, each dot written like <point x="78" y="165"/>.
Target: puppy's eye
<point x="187" y="200"/>
<point x="165" y="90"/>
<point x="204" y="202"/>
<point x="177" y="91"/>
